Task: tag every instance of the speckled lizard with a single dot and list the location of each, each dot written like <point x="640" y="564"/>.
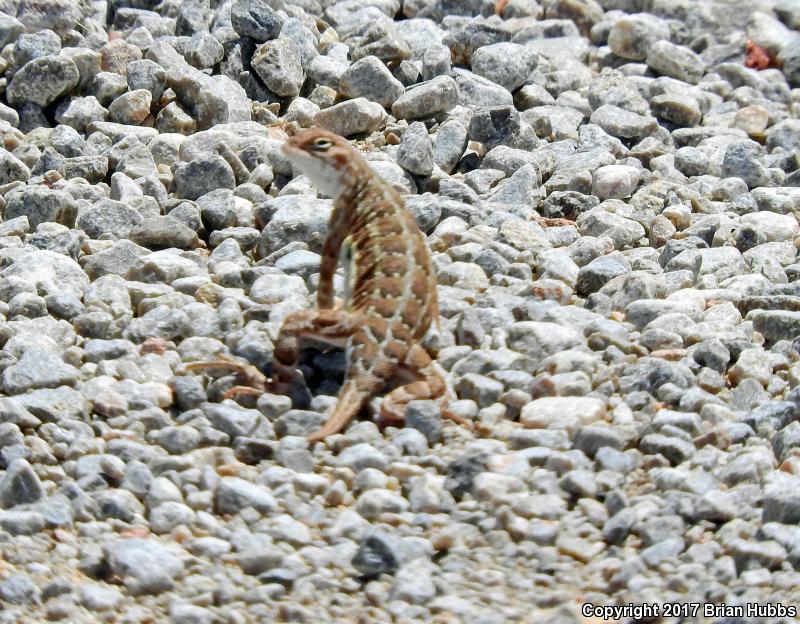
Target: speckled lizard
<point x="390" y="306"/>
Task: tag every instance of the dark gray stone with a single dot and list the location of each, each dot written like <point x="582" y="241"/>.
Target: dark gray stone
<point x="203" y="175"/>
<point x="426" y="417"/>
<point x="415" y="153"/>
<point x="42" y="81"/>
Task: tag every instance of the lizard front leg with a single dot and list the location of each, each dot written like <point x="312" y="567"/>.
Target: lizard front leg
<point x="250" y="380"/>
<point x="327" y="325"/>
<point x="330" y="259"/>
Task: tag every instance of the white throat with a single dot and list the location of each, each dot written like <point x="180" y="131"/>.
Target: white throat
<point x="324" y="177"/>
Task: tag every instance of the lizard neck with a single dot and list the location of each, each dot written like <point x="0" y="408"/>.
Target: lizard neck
<point x="360" y="199"/>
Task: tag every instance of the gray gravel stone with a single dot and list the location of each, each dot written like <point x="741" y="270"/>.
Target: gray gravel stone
<point x="436" y="61"/>
<point x="413" y="582"/>
<point x="369" y="78"/>
<point x="676" y="61"/>
<point x="327" y="69"/>
<point x="108" y="219"/>
<point x="473" y="90"/>
<point x="427" y="99"/>
<point x="255" y="19"/>
<point x="415" y="153"/>
<point x="357" y="116"/>
<point x="507" y="64"/>
<point x="19" y="589"/>
<point x="190" y="614"/>
<point x="425" y="417"/>
<point x="614" y="181"/>
<point x="144" y="565"/>
<point x="131" y="108"/>
<point x="40" y="205"/>
<point x="621" y="123"/>
<point x="146" y="74"/>
<point x="96" y="597"/>
<point x="203" y="175"/>
<point x="19" y="485"/>
<point x="743" y="160"/>
<point x="679" y="109"/>
<point x="233" y="494"/>
<point x="42" y="80"/>
<point x="632" y="36"/>
<point x="38" y="368"/>
<point x="449" y="146"/>
<point x="378" y="553"/>
<point x="278" y="64"/>
<point x="361" y="456"/>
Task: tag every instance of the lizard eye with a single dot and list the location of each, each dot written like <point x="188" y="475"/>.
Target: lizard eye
<point x="321" y="144"/>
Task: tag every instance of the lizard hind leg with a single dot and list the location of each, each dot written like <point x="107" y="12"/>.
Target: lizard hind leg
<point x="352" y="398"/>
<point x="367" y="372"/>
<point x="429" y="384"/>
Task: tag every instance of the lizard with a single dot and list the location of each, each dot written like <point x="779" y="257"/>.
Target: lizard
<point x="392" y="300"/>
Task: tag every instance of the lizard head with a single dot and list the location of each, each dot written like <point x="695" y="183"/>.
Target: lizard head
<point x="326" y="158"/>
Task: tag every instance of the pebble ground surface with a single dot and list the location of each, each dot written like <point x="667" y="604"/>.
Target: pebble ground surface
<point x="610" y="189"/>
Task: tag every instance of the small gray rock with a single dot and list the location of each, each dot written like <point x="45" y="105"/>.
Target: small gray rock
<point x="624" y="124"/>
<point x="40" y="205"/>
<point x="42" y="81"/>
<point x="233" y="494"/>
<point x="38" y="368"/>
<point x="278" y="64"/>
<point x="108" y="218"/>
<point x="256" y="19"/>
<point x="676" y="450"/>
<point x="614" y="181"/>
<point x="12" y="169"/>
<point x="19" y="485"/>
<point x="425" y="417"/>
<point x="18" y="588"/>
<point x="131" y="108"/>
<point x="146" y="74"/>
<point x="369" y="78"/>
<point x="413" y="582"/>
<point x="426" y="99"/>
<point x="415" y="153"/>
<point x="507" y="64"/>
<point x="163" y="233"/>
<point x="361" y="456"/>
<point x="96" y="597"/>
<point x="203" y="175"/>
<point x="473" y="90"/>
<point x="744" y="160"/>
<point x="676" y="61"/>
<point x="190" y="614"/>
<point x="144" y="565"/>
<point x="436" y="61"/>
<point x="632" y="36"/>
<point x="203" y="50"/>
<point x="358" y="116"/>
<point x="451" y="141"/>
<point x="378" y="553"/>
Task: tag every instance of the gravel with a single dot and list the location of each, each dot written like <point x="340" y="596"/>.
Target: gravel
<point x="611" y="199"/>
